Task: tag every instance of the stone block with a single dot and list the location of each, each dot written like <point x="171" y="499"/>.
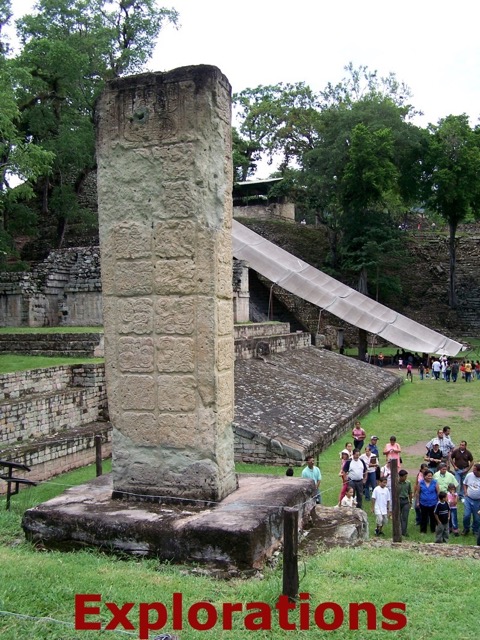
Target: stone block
<point x="176" y="393"/>
<point x="137" y="392"/>
<point x="136" y="355"/>
<point x="135" y="315"/>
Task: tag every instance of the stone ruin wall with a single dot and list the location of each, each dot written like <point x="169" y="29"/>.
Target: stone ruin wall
<point x="42" y="402"/>
<point x="65" y="289"/>
<point x="49" y="417"/>
<point x="274" y="211"/>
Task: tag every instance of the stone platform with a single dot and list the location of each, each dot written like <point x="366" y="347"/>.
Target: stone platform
<point x="243" y="530"/>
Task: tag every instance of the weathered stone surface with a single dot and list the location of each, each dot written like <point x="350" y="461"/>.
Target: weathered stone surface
<point x="135" y="315"/>
<point x="136" y="354"/>
<point x="242" y="530"/>
<point x="337" y="526"/>
<point x="164" y="141"/>
<point x="302" y="399"/>
<point x="175" y="355"/>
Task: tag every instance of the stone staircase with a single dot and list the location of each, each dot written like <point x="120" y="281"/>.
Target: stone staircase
<point x="75" y="345"/>
<point x="49" y="418"/>
<point x="265" y="338"/>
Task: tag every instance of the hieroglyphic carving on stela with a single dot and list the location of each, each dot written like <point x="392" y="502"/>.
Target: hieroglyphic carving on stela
<point x="137" y="392"/>
<point x="136" y="355"/>
<point x="175" y="314"/>
<point x="176" y="393"/>
<point x="151" y="114"/>
<point x="132" y="240"/>
<point x="175" y="239"/>
<point x="133" y="278"/>
<point x="174" y="277"/>
<point x="175" y="354"/>
<point x="135" y="315"/>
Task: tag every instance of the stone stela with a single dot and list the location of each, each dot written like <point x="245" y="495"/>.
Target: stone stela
<point x="165" y="210"/>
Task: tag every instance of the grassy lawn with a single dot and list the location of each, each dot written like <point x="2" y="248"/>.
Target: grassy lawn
<point x="10" y="362"/>
<point x="39" y="584"/>
<point x="51" y="330"/>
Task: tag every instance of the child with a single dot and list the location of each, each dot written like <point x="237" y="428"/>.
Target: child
<point x="452" y="499"/>
<point x="409" y="372"/>
<point x="348" y="500"/>
<point x="345" y="456"/>
<point x="442" y="516"/>
<point x="381" y="505"/>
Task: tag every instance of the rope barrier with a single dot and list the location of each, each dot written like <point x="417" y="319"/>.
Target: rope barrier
<point x="182" y="499"/>
<point x="71" y="625"/>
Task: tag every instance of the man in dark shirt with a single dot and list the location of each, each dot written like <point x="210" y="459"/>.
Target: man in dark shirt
<point x="405" y="496"/>
<point x="462" y="461"/>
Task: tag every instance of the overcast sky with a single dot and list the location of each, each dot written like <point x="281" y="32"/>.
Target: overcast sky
<point x="431" y="45"/>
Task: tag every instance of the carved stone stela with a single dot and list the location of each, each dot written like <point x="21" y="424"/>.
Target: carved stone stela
<point x="164" y="197"/>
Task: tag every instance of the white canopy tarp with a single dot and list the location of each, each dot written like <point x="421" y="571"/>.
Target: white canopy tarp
<point x="316" y="287"/>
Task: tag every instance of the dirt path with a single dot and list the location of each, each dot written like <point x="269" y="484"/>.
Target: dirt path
<point x="430" y="548"/>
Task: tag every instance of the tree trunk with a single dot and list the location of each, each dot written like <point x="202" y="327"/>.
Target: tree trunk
<point x="452" y="293"/>
<point x="333" y="241"/>
<point x="362" y="344"/>
<point x="363" y="282"/>
<point x="61" y="230"/>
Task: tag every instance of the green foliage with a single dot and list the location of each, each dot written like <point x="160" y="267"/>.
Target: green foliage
<point x="245" y="153"/>
<point x="278" y="119"/>
<point x="452" y="178"/>
<point x="351" y="159"/>
<point x="70" y="48"/>
<point x="453" y="166"/>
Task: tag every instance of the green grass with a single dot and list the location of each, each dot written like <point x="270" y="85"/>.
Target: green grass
<point x="44" y="584"/>
<point x="14" y="330"/>
<point x="10" y="363"/>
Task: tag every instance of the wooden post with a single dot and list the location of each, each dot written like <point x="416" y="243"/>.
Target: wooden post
<point x="98" y="455"/>
<point x="396" y="525"/>
<point x="290" y="553"/>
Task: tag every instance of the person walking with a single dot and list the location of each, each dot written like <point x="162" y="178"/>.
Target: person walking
<point x="426" y="497"/>
<point x="356" y="471"/>
<point x="461" y="460"/>
<point x="471" y="492"/>
<point x="313" y="473"/>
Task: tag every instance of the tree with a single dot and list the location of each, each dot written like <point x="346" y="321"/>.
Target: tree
<point x="20" y="157"/>
<point x="452" y="179"/>
<point x="363" y="171"/>
<point x="70" y="49"/>
<point x="278" y="120"/>
<point x="245" y="154"/>
<point x="361" y="82"/>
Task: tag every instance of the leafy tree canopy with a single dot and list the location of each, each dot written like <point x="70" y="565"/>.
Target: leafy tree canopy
<point x="452" y="178"/>
<point x="70" y="48"/>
